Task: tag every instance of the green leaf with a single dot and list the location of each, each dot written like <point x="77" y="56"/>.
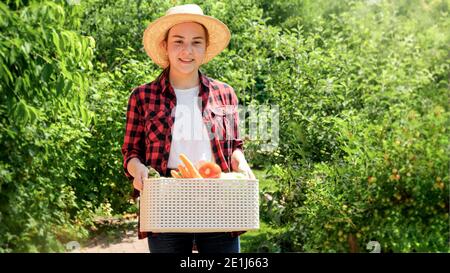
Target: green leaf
<point x="5" y="71"/>
<point x="69" y="84"/>
<point x="84" y="115"/>
<point x="21" y="114"/>
<point x="60" y="85"/>
<point x="32" y="114"/>
<point x="47" y="72"/>
<point x="58" y="42"/>
<point x="91" y="42"/>
<point x="26" y="48"/>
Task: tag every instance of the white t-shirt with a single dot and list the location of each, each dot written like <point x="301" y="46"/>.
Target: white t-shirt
<point x="189" y="134"/>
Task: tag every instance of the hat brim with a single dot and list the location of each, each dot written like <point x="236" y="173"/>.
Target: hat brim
<point x="154" y="34"/>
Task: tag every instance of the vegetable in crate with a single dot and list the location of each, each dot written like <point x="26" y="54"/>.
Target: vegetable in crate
<point x="209" y="170"/>
<point x="184" y="172"/>
<point x="190" y="169"/>
<point x="205" y="170"/>
<point x="152" y="173"/>
<point x="233" y="175"/>
<point x="175" y="174"/>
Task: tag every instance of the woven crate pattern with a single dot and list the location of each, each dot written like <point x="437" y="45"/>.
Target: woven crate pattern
<point x="199" y="205"/>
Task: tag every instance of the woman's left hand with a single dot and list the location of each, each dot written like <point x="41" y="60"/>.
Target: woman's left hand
<point x="239" y="164"/>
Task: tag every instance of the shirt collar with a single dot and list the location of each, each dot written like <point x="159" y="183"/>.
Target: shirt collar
<point x="166" y="86"/>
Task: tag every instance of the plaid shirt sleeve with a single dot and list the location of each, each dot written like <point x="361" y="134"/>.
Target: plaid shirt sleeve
<point x="238" y="143"/>
<point x="134" y="139"/>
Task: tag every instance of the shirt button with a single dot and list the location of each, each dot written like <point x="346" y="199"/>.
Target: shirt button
<point x="167" y="147"/>
<point x="164" y="165"/>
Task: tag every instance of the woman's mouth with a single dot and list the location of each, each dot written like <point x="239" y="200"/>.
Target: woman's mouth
<point x="185" y="61"/>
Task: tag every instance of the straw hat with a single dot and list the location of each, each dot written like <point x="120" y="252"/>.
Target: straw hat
<point x="219" y="34"/>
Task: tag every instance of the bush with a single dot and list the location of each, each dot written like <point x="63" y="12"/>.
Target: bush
<point x="44" y="124"/>
<point x="364" y="131"/>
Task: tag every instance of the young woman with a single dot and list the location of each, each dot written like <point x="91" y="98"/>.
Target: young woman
<point x="184" y="111"/>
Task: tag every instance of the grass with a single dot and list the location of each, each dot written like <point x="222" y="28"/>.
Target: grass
<point x="265" y="184"/>
<point x="257" y="241"/>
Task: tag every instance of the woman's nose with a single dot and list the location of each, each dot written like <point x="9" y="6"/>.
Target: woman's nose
<point x="187" y="48"/>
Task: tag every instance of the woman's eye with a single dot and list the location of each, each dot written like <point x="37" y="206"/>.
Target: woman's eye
<point x="178" y="42"/>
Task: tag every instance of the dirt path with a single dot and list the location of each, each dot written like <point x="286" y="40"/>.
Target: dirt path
<point x="128" y="244"/>
<point x="112" y="235"/>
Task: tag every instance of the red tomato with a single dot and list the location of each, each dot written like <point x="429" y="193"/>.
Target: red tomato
<point x="209" y="170"/>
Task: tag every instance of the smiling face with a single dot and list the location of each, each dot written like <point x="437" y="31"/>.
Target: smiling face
<point x="186" y="47"/>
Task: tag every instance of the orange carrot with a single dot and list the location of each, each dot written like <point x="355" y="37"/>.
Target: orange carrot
<point x="175" y="174"/>
<point x="209" y="170"/>
<point x="190" y="167"/>
<point x="184" y="172"/>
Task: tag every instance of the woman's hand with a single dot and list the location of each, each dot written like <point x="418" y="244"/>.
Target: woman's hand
<point x="239" y="164"/>
<point x="139" y="171"/>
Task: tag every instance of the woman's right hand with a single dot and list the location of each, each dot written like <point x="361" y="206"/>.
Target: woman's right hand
<point x="138" y="181"/>
<point x="139" y="171"/>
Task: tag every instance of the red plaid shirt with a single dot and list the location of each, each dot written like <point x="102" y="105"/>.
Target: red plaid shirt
<point x="148" y="134"/>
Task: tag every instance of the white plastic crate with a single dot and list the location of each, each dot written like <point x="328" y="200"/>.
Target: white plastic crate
<point x="199" y="205"/>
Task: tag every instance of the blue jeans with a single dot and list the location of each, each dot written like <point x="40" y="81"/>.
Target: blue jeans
<point x="216" y="242"/>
